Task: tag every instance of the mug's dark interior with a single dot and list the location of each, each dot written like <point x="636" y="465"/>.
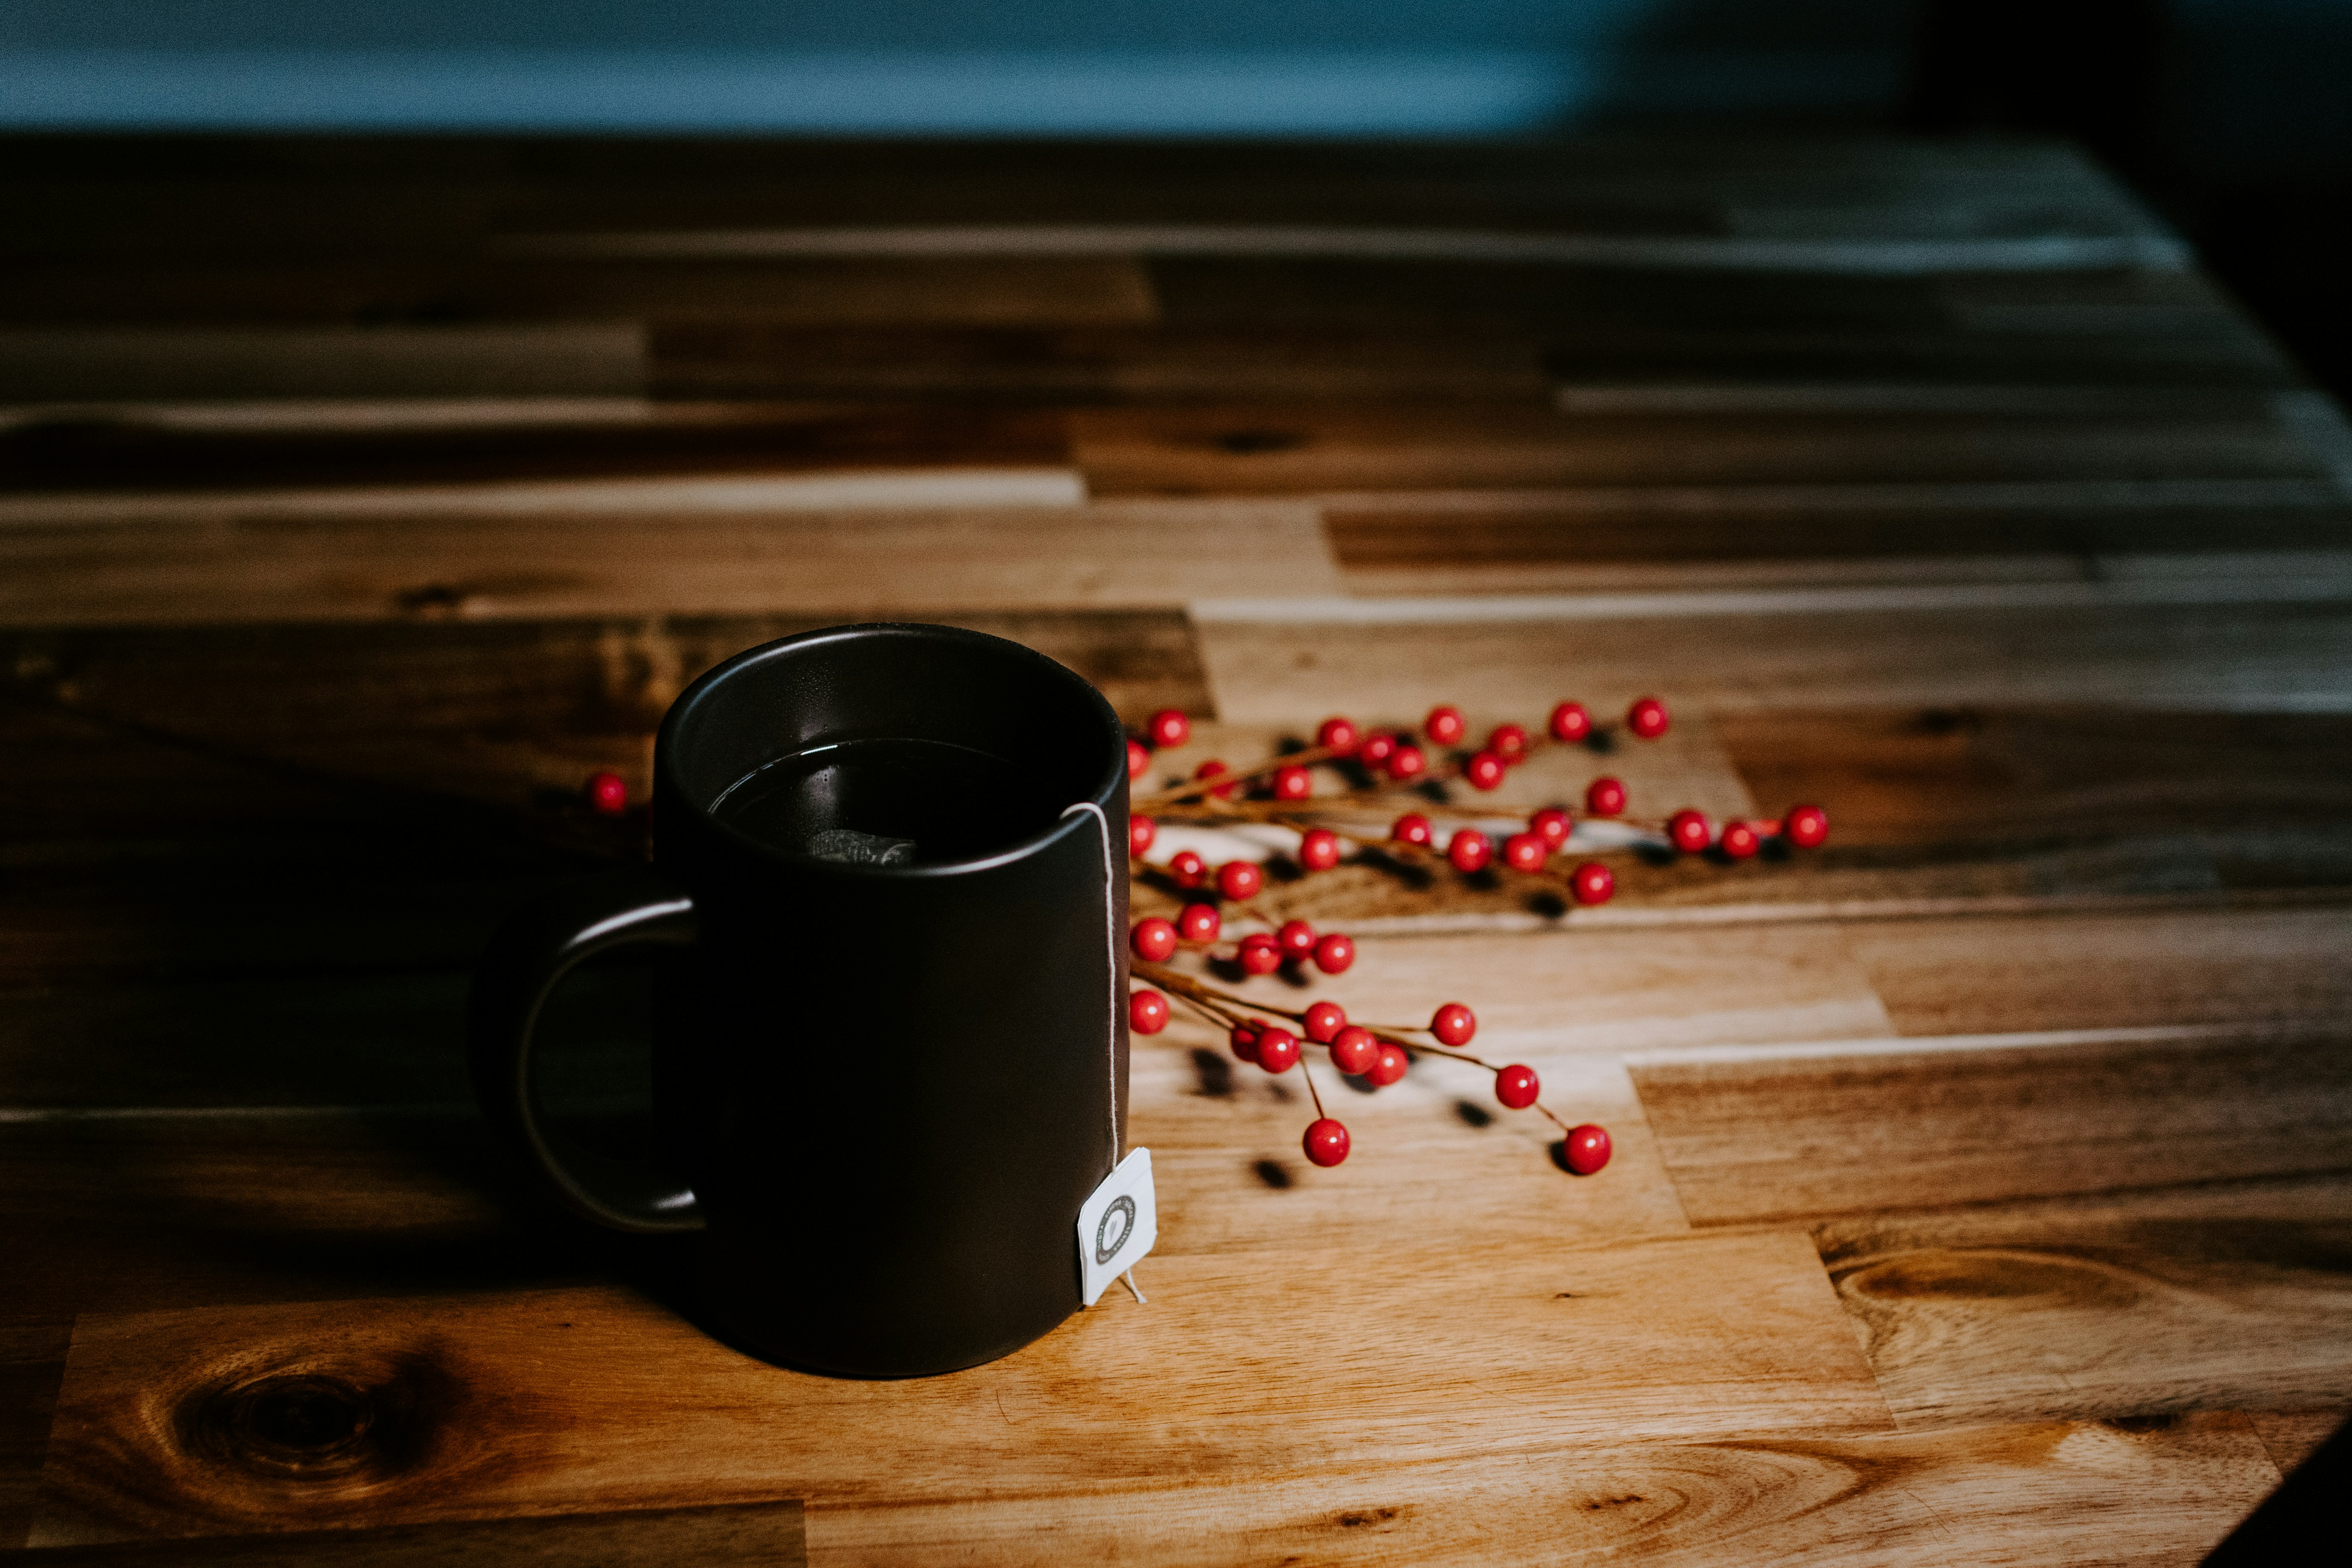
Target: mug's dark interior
<point x="1044" y="738"/>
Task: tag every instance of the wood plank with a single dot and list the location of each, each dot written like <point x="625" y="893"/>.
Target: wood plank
<point x="1291" y="449"/>
<point x="617" y="1401"/>
<point x="1597" y="539"/>
<point x="2223" y="1297"/>
<point x="758" y="1535"/>
<point x="429" y="558"/>
<point x="374" y="292"/>
<point x="1790" y="650"/>
<point x="1773" y="1133"/>
<point x="2049" y="1493"/>
<point x="55" y="451"/>
<point x="691" y="359"/>
<point x="1984" y="977"/>
<point x="572" y="359"/>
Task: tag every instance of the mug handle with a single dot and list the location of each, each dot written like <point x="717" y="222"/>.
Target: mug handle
<point x="532" y="953"/>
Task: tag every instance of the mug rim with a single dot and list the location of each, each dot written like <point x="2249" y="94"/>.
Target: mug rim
<point x="666" y="744"/>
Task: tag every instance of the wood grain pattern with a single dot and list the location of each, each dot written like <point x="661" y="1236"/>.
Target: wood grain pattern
<point x="943" y="290"/>
<point x="1779" y="1132"/>
<point x="758" y="1535"/>
<point x="2232" y="1295"/>
<point x="1089" y="364"/>
<point x="440" y="555"/>
<point x="1597" y="539"/>
<point x="2291" y="1437"/>
<point x="2088" y="972"/>
<point x="1753" y="654"/>
<point x="357" y="446"/>
<point x="538" y="1402"/>
<point x="1456" y="446"/>
<point x="2163" y="1491"/>
<point x="504" y="361"/>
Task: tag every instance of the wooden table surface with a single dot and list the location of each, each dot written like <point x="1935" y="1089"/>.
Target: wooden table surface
<point x="1980" y="1182"/>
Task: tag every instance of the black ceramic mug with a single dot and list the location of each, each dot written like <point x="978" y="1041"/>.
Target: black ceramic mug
<point x="886" y="1072"/>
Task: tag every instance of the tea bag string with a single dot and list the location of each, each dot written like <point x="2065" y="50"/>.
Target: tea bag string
<point x="1110" y="939"/>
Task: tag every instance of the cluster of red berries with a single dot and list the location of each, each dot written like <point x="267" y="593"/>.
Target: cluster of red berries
<point x="1376" y="1056"/>
<point x="1295" y="942"/>
<point x="1394" y="756"/>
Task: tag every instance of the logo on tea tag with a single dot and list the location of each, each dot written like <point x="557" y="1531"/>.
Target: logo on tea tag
<point x="1117" y="1225"/>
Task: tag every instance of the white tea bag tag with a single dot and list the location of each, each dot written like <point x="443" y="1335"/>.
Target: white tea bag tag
<point x="1117" y="1225"/>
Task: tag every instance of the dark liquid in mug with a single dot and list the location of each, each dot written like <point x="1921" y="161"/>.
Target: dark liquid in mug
<point x="890" y="801"/>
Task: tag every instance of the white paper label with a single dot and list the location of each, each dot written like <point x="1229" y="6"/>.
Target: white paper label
<point x="1117" y="1225"/>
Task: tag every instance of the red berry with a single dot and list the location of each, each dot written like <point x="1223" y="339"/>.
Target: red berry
<point x="607" y="795"/>
<point x="1484" y="771"/>
<point x="1198" y="922"/>
<point x="1210" y="768"/>
<point x="1525" y="851"/>
<point x="1587" y="1149"/>
<point x="1517" y="1086"/>
<point x="1297" y="938"/>
<point x="1376" y="749"/>
<point x="1593" y="883"/>
<point x="1552" y="825"/>
<point x="1154" y="940"/>
<point x="1243" y="1041"/>
<point x="1739" y="840"/>
<point x="1389" y="1066"/>
<point x="1169" y="727"/>
<point x="1604" y="796"/>
<point x="1353" y="1051"/>
<point x="1188" y="868"/>
<point x="1239" y="879"/>
<point x="1647" y="718"/>
<point x="1334" y="953"/>
<point x="1293" y="783"/>
<point x="1339" y="735"/>
<point x="1324" y="1020"/>
<point x="1140" y="832"/>
<point x="1318" y="850"/>
<point x="1454" y="1025"/>
<point x="1806" y="827"/>
<point x="1260" y="954"/>
<point x="1277" y="1050"/>
<point x="1326" y="1141"/>
<point x="1468" y="849"/>
<point x="1570" y="722"/>
<point x="1139" y="757"/>
<point x="1444" y="725"/>
<point x="1689" y="831"/>
<point x="1510" y="741"/>
<point x="1407" y="762"/>
<point x="1412" y="829"/>
<point x="1147" y="1011"/>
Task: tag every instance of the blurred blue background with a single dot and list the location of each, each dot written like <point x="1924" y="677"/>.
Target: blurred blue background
<point x="1139" y="67"/>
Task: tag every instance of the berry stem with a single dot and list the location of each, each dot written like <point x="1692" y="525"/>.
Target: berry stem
<point x="1311" y="1089"/>
<point x="1194" y="788"/>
